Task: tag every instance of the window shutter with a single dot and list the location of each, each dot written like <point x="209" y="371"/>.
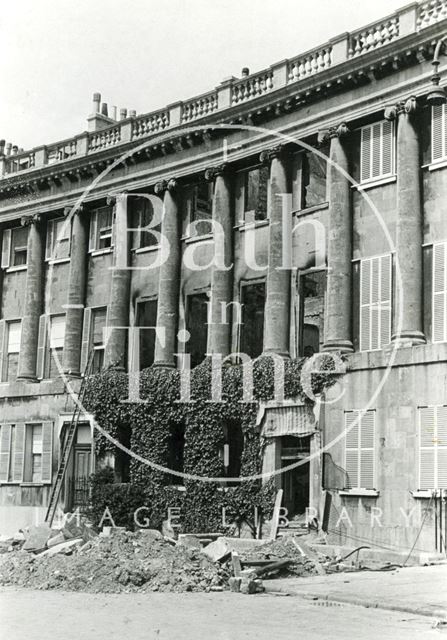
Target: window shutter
<point x="92" y="231"/>
<point x="385" y="300"/>
<point x="42" y="346"/>
<point x="438" y="132"/>
<point x="47" y="451"/>
<point x="387" y="150"/>
<point x="427" y="434"/>
<point x="376" y="140"/>
<point x="375" y="303"/>
<point x="6" y="248"/>
<point x="441" y="447"/>
<point x="367" y="450"/>
<point x="439" y="293"/>
<point x="3" y="349"/>
<point x="352" y="449"/>
<point x="86" y="330"/>
<point x="365" y="296"/>
<point x="113" y="239"/>
<point x="5" y="446"/>
<point x="49" y="243"/>
<point x="19" y="453"/>
<point x="365" y="157"/>
<point x="240" y="197"/>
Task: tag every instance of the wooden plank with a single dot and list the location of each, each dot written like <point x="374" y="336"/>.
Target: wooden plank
<point x="275" y="519"/>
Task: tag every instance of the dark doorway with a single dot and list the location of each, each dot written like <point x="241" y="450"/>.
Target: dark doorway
<point x="296" y="481"/>
<point x="197" y="325"/>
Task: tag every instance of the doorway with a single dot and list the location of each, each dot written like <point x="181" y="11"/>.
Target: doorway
<point x="296" y="481"/>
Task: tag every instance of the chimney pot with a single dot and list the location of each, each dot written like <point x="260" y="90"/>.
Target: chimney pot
<point x="14" y="150"/>
<point x="96" y="102"/>
<point x="8" y="149"/>
<point x="245" y="72"/>
<point x="132" y="113"/>
<point x="114" y="113"/>
<point x="104" y="109"/>
<point x="123" y="114"/>
<point x="2" y="147"/>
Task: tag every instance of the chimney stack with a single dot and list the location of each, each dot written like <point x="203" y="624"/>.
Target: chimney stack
<point x="245" y="72"/>
<point x="114" y="113"/>
<point x="8" y="149"/>
<point x="14" y="150"/>
<point x="104" y="109"/>
<point x="96" y="102"/>
<point x="2" y="147"/>
<point x="123" y="114"/>
<point x="132" y="113"/>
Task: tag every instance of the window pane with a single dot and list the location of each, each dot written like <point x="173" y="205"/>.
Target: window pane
<point x="37" y="438"/>
<point x="57" y="332"/>
<point x="37" y="468"/>
<point x="99" y="323"/>
<point x="147" y="238"/>
<point x="14" y="334"/>
<point x="19" y="243"/>
<point x="314" y="178"/>
<point x="202" y="208"/>
<point x="61" y="239"/>
<point x="256" y="184"/>
<point x="147" y="317"/>
<point x="196" y="324"/>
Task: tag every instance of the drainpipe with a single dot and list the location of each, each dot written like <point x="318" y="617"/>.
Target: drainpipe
<point x="437" y="95"/>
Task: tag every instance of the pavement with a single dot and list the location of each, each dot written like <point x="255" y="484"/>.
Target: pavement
<point x="35" y="615"/>
<point x="415" y="590"/>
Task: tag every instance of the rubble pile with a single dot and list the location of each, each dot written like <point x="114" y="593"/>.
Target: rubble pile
<point x="303" y="562"/>
<point x="124" y="562"/>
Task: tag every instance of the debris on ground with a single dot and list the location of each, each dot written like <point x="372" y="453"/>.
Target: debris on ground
<point x="302" y="561"/>
<point x="123" y="562"/>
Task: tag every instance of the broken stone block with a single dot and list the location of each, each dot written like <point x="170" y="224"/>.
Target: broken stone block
<point x="57" y="539"/>
<point x="248" y="586"/>
<point x="63" y="547"/>
<point x="189" y="540"/>
<point x="72" y="527"/>
<point x="235" y="584"/>
<point x="37" y="538"/>
<point x="150" y="534"/>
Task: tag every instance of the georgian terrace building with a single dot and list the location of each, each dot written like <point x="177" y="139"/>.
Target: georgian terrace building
<point x="366" y="100"/>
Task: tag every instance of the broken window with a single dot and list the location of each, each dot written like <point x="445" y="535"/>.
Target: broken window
<point x="255" y="190"/>
<point x="146" y="317"/>
<point x="202" y="208"/>
<point x="312" y="290"/>
<point x="314" y="178"/>
<point x="143" y="216"/>
<point x="252" y="326"/>
<point x="196" y="324"/>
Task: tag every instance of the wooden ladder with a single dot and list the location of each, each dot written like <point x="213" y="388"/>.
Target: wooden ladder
<point x="68" y="445"/>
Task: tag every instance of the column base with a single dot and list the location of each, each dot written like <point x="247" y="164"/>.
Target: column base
<point x="166" y="364"/>
<point x="343" y="346"/>
<point x="72" y="374"/>
<point x="274" y="352"/>
<point x="408" y="338"/>
<point x="27" y="379"/>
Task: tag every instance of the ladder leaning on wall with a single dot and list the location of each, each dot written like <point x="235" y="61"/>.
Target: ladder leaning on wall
<point x="68" y="445"/>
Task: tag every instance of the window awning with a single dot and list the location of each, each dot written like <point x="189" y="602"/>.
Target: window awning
<point x="286" y="420"/>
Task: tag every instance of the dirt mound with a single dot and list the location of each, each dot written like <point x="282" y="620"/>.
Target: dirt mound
<point x="124" y="562"/>
<point x="281" y="549"/>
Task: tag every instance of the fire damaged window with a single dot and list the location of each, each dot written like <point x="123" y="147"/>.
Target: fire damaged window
<point x="58" y="239"/>
<point x="143" y="218"/>
<point x="255" y="194"/>
<point x="312" y="289"/>
<point x="14" y="330"/>
<point x="101" y="229"/>
<point x="146" y="317"/>
<point x="196" y="324"/>
<point x="232" y="449"/>
<point x="97" y="338"/>
<point x="176" y="451"/>
<point x="55" y="346"/>
<point x="314" y="178"/>
<point x="252" y="326"/>
<point x="202" y="207"/>
<point x="15" y="247"/>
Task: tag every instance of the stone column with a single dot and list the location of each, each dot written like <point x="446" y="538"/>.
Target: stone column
<point x="338" y="317"/>
<point x="33" y="299"/>
<point x="277" y="304"/>
<point x="169" y="276"/>
<point x="408" y="226"/>
<point x="118" y="310"/>
<point x="220" y="322"/>
<point x="74" y="310"/>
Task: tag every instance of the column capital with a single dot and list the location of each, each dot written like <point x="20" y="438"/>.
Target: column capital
<point x="114" y="197"/>
<point x="213" y="172"/>
<point x="67" y="210"/>
<point x="165" y="185"/>
<point x="408" y="106"/>
<point x="268" y="155"/>
<point x="336" y="131"/>
<point x="28" y="220"/>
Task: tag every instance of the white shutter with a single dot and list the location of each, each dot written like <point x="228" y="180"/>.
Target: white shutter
<point x="439" y="293"/>
<point x="441" y="447"/>
<point x="438" y="132"/>
<point x="92" y="231"/>
<point x="5" y="448"/>
<point x="352" y="448"/>
<point x="367" y="442"/>
<point x="42" y="346"/>
<point x="19" y="453"/>
<point x="47" y="451"/>
<point x="365" y="298"/>
<point x="365" y="154"/>
<point x="385" y="300"/>
<point x="3" y="349"/>
<point x="6" y="248"/>
<point x="49" y="243"/>
<point x="375" y="304"/>
<point x="427" y="434"/>
<point x="376" y="150"/>
<point x="86" y="330"/>
<point x="387" y="151"/>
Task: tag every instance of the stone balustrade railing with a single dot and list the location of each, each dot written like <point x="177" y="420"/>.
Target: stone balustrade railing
<point x="232" y="92"/>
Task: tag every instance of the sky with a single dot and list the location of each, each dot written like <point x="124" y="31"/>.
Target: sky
<point x="146" y="54"/>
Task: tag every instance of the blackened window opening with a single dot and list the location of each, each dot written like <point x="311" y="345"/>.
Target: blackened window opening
<point x="196" y="324"/>
<point x="252" y="329"/>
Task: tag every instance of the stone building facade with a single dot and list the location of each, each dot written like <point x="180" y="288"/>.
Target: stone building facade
<point x="356" y="135"/>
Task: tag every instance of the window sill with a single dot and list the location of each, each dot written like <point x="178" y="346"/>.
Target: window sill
<point x="154" y="247"/>
<point x="248" y="226"/>
<point x="426" y="494"/>
<point x="33" y="484"/>
<point x="22" y="267"/>
<point x="433" y="166"/>
<point x="191" y="239"/>
<point x="101" y="252"/>
<point x="307" y="210"/>
<point x="365" y="493"/>
<point x="58" y="261"/>
<point x="364" y="186"/>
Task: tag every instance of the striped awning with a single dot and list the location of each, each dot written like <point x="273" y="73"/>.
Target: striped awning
<point x="286" y="420"/>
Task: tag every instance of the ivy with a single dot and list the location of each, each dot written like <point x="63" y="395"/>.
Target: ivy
<point x="150" y="421"/>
